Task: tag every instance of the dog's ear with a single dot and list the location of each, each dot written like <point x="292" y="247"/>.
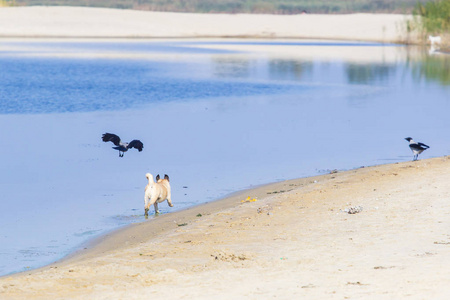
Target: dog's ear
<point x="157" y="178"/>
<point x="166" y="177"/>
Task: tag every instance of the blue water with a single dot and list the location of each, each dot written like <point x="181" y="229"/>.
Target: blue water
<point x="74" y="85"/>
<point x="217" y="116"/>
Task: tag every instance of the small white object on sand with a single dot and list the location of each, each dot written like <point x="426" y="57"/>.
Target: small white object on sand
<point x="353" y="210"/>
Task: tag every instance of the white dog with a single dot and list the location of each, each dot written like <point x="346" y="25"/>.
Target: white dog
<point x="156" y="192"/>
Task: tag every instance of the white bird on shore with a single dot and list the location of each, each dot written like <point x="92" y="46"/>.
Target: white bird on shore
<point x="435" y="40"/>
<point x="122" y="147"/>
<point x="416" y="148"/>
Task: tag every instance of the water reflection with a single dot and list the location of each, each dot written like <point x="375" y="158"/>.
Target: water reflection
<point x="267" y="69"/>
<point x="289" y="69"/>
<point x="54" y="84"/>
<point x="369" y="73"/>
<point x="224" y="67"/>
<point x="432" y="68"/>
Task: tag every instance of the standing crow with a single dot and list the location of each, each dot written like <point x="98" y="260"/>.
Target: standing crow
<point x="415" y="147"/>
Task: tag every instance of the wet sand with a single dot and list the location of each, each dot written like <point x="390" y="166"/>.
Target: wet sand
<point x="86" y="22"/>
<point x="289" y="239"/>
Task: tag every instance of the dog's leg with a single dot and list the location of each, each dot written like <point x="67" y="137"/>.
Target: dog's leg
<point x="146" y="206"/>
<point x="156" y="207"/>
<point x="169" y="201"/>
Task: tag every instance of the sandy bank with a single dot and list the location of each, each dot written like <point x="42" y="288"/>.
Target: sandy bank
<point x="295" y="240"/>
<point x="115" y="23"/>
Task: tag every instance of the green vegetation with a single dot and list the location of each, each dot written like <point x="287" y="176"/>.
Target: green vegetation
<point x="434" y="16"/>
<point x="7" y="3"/>
<point x="243" y="6"/>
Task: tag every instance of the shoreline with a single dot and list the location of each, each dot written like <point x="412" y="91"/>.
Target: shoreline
<point x="132" y="234"/>
<point x="295" y="239"/>
<point x="85" y="22"/>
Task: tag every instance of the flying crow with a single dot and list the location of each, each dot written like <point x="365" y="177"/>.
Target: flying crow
<point x="416" y="148"/>
<point x="122" y="147"/>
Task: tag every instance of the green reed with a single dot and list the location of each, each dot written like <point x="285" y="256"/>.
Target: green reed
<point x="434" y="17"/>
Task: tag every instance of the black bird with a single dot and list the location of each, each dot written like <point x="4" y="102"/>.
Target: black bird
<point x="122" y="147"/>
<point x="416" y="148"/>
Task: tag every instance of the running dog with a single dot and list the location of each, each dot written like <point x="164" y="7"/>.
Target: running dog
<point x="156" y="192"/>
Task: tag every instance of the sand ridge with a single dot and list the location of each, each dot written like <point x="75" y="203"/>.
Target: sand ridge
<point x="85" y="22"/>
<point x="295" y="240"/>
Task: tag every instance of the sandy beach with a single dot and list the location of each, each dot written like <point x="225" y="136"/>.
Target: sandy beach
<point x="83" y="22"/>
<point x="289" y="239"/>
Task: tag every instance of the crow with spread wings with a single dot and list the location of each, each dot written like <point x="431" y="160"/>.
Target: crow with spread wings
<point x="122" y="147"/>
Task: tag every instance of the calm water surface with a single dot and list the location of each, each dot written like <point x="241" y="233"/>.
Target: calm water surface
<point x="217" y="116"/>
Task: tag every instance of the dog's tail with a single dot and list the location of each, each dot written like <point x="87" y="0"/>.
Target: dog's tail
<point x="150" y="178"/>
